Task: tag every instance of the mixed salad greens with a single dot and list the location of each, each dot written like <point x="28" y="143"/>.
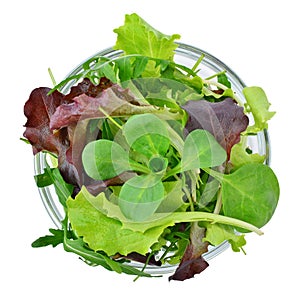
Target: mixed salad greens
<point x="149" y="160"/>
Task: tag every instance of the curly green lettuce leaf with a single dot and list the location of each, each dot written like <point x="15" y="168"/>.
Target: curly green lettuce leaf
<point x="240" y="156"/>
<point x="258" y="105"/>
<point x="136" y="36"/>
<point x="103" y="233"/>
<point x="219" y="233"/>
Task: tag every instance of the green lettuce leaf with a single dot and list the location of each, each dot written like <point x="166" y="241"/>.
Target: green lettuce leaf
<point x="136" y="36"/>
<point x="239" y="156"/>
<point x="105" y="208"/>
<point x="103" y="233"/>
<point x="218" y="233"/>
<point x="258" y="105"/>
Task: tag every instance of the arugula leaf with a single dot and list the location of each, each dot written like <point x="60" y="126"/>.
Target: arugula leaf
<point x="55" y="239"/>
<point x="53" y="176"/>
<point x="258" y="105"/>
<point x="136" y="36"/>
<point x="79" y="247"/>
<point x="44" y="179"/>
<point x="222" y="78"/>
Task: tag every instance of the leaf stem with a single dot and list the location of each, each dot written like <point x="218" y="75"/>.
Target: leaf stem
<point x="219" y="203"/>
<point x="217" y="175"/>
<point x="110" y="118"/>
<point x="52" y="77"/>
<point x="215" y="75"/>
<point x="139" y="167"/>
<point x="174" y="171"/>
<point x="198" y="62"/>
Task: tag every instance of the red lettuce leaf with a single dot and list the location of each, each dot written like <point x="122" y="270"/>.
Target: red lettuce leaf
<point x="71" y="133"/>
<point x="115" y="101"/>
<point x="192" y="262"/>
<point x="88" y="88"/>
<point x="225" y="120"/>
<point x="38" y="110"/>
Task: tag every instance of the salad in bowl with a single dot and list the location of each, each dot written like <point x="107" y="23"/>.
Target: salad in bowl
<point x="152" y="156"/>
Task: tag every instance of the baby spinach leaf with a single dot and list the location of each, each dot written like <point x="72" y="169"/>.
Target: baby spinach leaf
<point x="140" y="196"/>
<point x="104" y="159"/>
<point x="250" y="194"/>
<point x="201" y="150"/>
<point x="147" y="134"/>
<point x="258" y="105"/>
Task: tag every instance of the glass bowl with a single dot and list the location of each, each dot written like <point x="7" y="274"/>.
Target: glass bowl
<point x="185" y="55"/>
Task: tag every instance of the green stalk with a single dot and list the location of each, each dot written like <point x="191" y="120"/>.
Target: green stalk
<point x="219" y="203"/>
<point x="172" y="172"/>
<point x="198" y="62"/>
<point x="139" y="167"/>
<point x="52" y="77"/>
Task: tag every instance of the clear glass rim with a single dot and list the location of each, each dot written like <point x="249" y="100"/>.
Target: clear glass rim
<point x="51" y="205"/>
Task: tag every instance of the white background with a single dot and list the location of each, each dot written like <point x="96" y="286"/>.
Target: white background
<point x="258" y="39"/>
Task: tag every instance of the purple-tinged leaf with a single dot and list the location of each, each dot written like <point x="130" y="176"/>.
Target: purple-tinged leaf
<point x="225" y="120"/>
<point x="38" y="109"/>
<point x="115" y="101"/>
<point x="88" y="88"/>
<point x="192" y="262"/>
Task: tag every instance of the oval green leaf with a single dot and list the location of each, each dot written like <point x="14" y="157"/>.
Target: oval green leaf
<point x="147" y="134"/>
<point x="104" y="159"/>
<point x="250" y="194"/>
<point x="201" y="150"/>
<point x="140" y="196"/>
